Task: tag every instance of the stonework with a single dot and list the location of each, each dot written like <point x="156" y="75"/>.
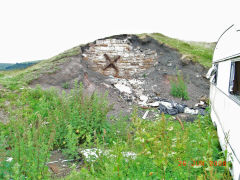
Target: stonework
<point x="118" y="58"/>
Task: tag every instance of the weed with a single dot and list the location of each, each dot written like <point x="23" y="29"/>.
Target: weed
<point x="66" y="85"/>
<point x="179" y="88"/>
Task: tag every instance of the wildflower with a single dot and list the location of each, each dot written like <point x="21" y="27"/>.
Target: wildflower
<point x="170" y="129"/>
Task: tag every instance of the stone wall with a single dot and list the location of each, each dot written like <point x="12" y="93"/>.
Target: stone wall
<point x="118" y="58"/>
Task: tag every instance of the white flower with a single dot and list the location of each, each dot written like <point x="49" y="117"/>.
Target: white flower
<point x="170" y="129"/>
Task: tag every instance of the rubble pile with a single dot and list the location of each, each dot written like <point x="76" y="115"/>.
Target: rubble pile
<point x="132" y="91"/>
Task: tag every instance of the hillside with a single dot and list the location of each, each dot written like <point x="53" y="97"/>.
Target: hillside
<point x="121" y="107"/>
<point x="24" y="65"/>
<point x="4" y="65"/>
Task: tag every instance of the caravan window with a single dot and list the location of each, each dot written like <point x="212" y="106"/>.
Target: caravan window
<point x="234" y="86"/>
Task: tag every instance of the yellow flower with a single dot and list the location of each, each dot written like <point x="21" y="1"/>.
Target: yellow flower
<point x="151" y="173"/>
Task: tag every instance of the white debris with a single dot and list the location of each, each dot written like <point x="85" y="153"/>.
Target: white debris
<point x="154" y="104"/>
<point x="166" y="104"/>
<point x="145" y="114"/>
<point x="190" y="111"/>
<point x="9" y="159"/>
<point x="143" y="98"/>
<point x="201" y="103"/>
<point x="135" y="82"/>
<point x="123" y="88"/>
<point x="112" y="80"/>
<point x="106" y="85"/>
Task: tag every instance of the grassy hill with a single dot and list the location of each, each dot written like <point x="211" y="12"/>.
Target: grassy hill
<point x="200" y="52"/>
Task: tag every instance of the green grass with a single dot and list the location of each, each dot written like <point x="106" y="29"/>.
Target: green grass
<point x="179" y="88"/>
<point x="200" y="52"/>
<point x="18" y="78"/>
<point x="42" y="121"/>
<point x="164" y="151"/>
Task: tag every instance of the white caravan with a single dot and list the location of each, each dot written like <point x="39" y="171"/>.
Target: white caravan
<point x="225" y="94"/>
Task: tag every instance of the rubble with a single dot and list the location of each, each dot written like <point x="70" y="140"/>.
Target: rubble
<point x="133" y="90"/>
<point x="145" y="114"/>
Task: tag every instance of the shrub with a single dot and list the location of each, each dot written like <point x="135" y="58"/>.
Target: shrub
<point x="179" y="88"/>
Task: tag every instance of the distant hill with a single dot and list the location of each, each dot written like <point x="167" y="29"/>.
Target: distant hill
<point x="4" y="65"/>
<point x="7" y="66"/>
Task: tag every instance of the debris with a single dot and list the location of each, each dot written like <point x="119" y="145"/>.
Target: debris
<point x="145" y="114"/>
<point x="54" y="168"/>
<point x="200" y="104"/>
<point x="106" y="85"/>
<point x="169" y="64"/>
<point x="123" y="88"/>
<point x="9" y="159"/>
<point x="154" y="104"/>
<point x="171" y="108"/>
<point x="190" y="111"/>
<point x="143" y="101"/>
<point x="52" y="162"/>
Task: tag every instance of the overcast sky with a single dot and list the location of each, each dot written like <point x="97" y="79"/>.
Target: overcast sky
<point x="39" y="29"/>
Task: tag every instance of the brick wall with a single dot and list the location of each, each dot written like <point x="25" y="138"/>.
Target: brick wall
<point x="118" y="57"/>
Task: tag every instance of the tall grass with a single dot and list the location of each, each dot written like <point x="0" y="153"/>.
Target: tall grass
<point x="43" y="121"/>
<point x="164" y="151"/>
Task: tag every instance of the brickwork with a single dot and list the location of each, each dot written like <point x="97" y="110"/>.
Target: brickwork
<point x="118" y="57"/>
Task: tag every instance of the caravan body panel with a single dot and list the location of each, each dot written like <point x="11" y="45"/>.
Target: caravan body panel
<point x="224" y="97"/>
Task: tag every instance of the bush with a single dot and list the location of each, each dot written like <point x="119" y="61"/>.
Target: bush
<point x="179" y="88"/>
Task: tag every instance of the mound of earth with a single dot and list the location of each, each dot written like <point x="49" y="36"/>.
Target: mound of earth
<point x="133" y="70"/>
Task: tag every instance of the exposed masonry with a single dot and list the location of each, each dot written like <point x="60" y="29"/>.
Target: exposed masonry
<point x="118" y="57"/>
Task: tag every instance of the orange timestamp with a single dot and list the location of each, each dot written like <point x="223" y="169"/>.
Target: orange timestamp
<point x="201" y="163"/>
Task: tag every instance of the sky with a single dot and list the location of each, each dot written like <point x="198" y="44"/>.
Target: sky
<point x="40" y="29"/>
